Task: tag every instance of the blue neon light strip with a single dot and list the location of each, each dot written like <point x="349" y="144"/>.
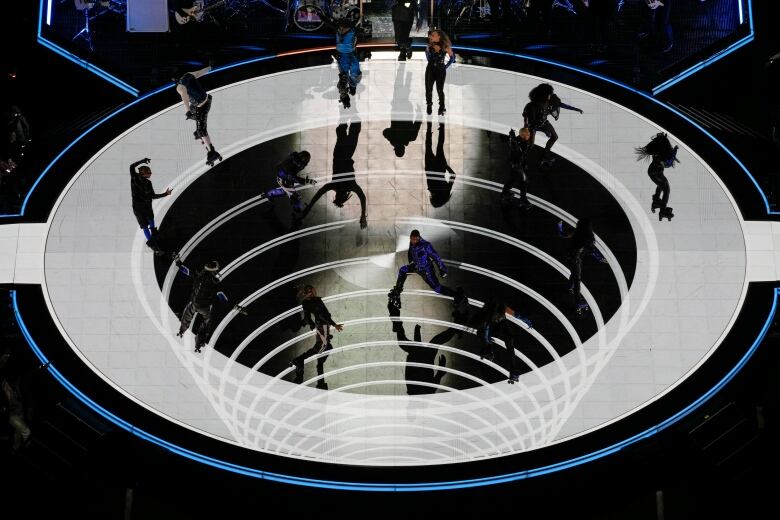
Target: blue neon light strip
<point x="358" y="486"/>
<point x="75" y="59"/>
<point x="717" y="56"/>
<point x="87" y="65"/>
<point x="48" y="13"/>
<point x="702" y="64"/>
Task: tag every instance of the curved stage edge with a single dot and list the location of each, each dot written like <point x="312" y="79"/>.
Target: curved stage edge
<point x="719" y="369"/>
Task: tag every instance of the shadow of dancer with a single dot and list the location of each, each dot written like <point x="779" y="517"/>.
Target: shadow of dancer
<point x="342" y="183"/>
<point x="419" y="354"/>
<point x="402" y="132"/>
<point x="436" y="169"/>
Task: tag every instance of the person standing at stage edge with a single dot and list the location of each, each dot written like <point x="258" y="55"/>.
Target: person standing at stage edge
<point x="404" y="13"/>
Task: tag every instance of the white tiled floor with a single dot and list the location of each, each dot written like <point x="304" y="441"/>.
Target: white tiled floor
<point x="689" y="282"/>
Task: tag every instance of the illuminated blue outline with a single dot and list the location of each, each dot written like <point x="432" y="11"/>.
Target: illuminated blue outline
<point x="715" y="57"/>
<point x="79" y="61"/>
<point x="48" y="12"/>
<point x="359" y="486"/>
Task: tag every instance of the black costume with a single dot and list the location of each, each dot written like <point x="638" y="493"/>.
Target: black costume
<point x="436" y="168"/>
<point x="518" y="166"/>
<point x="582" y="243"/>
<point x="403" y="13"/>
<point x="200" y="105"/>
<point x="662" y="156"/>
<point x="436" y="72"/>
<point x="322" y="322"/>
<point x="491" y="323"/>
<point x="343" y="185"/>
<point x="142" y="195"/>
<point x="205" y="289"/>
<point x="544" y="103"/>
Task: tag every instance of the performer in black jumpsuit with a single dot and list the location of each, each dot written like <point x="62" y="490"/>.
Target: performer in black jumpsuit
<point x="544" y="102"/>
<point x="143" y="194"/>
<point x="439" y="48"/>
<point x="205" y="289"/>
<point x="197" y="103"/>
<point x="662" y="156"/>
<point x="582" y="243"/>
<point x="490" y="323"/>
<point x="518" y="166"/>
<point x="322" y="322"/>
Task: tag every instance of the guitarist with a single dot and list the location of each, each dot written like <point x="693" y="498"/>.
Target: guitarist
<point x="186" y="9"/>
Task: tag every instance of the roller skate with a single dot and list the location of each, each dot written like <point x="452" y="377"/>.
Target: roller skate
<point x="581" y="305"/>
<point x="213" y="156"/>
<point x="665" y="213"/>
<point x="513" y="377"/>
<point x="394" y="298"/>
<point x="442" y="109"/>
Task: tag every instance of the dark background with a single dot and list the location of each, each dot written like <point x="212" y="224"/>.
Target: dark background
<point x="717" y="463"/>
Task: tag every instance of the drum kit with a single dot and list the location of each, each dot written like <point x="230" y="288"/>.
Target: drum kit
<point x="305" y="14"/>
<point x="94" y="9"/>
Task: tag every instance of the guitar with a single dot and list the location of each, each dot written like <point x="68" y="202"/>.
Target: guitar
<point x="196" y="12"/>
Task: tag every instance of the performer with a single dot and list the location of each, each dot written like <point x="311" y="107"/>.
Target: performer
<point x="343" y="184"/>
<point x="404" y="13"/>
<point x="287" y="177"/>
<point x="490" y="323"/>
<point x="439" y="48"/>
<point x="582" y="243"/>
<point x="519" y="144"/>
<point x="544" y="103"/>
<point x="322" y="322"/>
<point x="205" y="289"/>
<point x="348" y="63"/>
<point x="422" y="257"/>
<point x="662" y="156"/>
<point x="197" y="103"/>
<point x="659" y="13"/>
<point x="142" y="193"/>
